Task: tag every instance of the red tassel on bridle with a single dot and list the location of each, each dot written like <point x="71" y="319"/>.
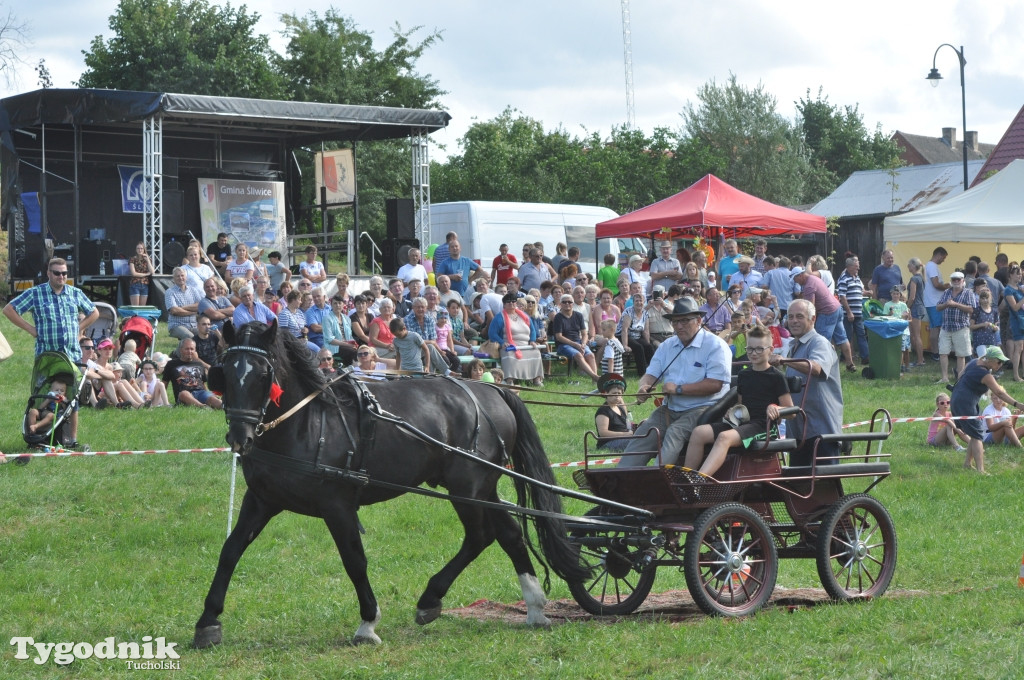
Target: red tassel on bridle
<point x="275" y="394"/>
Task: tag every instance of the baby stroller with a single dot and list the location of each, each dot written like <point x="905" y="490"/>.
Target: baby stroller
<point x="50" y="366"/>
<point x="105" y="326"/>
<point x="140" y="330"/>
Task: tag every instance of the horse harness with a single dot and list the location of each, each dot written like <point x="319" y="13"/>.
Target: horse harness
<point x="353" y="470"/>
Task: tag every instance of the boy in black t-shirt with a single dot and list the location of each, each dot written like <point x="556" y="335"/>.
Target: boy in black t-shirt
<point x="762" y="389"/>
<point x="612" y="420"/>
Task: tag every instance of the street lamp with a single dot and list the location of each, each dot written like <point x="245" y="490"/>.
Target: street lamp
<point x="935" y="77"/>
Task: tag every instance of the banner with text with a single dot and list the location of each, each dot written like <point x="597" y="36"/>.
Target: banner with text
<point x="248" y="211"/>
<point x="134" y="192"/>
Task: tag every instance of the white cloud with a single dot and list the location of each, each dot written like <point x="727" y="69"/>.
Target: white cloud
<point x="561" y="62"/>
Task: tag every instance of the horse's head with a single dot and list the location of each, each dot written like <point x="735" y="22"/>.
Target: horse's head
<point x="246" y="378"/>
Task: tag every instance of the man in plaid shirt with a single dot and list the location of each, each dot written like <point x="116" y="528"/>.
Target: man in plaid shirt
<point x="55" y="307"/>
<point x="956" y="304"/>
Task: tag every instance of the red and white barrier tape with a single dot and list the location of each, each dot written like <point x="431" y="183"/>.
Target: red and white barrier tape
<point x="579" y="463"/>
<point x="61" y="453"/>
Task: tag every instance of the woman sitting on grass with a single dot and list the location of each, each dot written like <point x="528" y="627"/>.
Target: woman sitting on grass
<point x="942" y="430"/>
<point x="762" y="389"/>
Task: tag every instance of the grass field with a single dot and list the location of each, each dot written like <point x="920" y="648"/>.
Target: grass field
<point x="126" y="547"/>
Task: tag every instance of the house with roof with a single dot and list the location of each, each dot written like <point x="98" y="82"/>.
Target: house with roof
<point x="1009" y="149"/>
<point x="922" y="150"/>
<point x="863" y="201"/>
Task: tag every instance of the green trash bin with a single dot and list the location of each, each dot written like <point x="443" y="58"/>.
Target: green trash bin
<point x="885" y="346"/>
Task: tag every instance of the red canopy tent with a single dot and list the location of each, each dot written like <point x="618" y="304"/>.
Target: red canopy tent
<point x="711" y="207"/>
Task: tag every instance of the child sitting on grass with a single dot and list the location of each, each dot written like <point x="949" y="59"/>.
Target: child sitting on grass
<point x="150" y="386"/>
<point x="1001" y="423"/>
<point x="40" y="418"/>
<point x="943" y="431"/>
<point x="762" y="389"/>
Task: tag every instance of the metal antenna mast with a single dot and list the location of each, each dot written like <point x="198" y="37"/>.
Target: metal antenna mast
<point x="627" y="49"/>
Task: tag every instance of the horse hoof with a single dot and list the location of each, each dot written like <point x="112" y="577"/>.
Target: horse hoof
<point x="366" y="639"/>
<point x="207" y="637"/>
<point x="425" y="616"/>
<point x="542" y="622"/>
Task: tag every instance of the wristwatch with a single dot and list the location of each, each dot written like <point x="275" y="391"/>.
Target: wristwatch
<point x="679" y="389"/>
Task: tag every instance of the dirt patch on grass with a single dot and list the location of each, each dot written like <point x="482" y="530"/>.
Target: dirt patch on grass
<point x="672" y="606"/>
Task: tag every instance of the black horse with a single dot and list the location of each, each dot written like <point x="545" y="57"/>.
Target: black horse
<point x="354" y="443"/>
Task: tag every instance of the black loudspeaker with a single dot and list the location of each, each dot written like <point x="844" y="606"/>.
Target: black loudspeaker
<point x="174" y="251"/>
<point x="395" y="252"/>
<point x="174" y="212"/>
<point x="91" y="253"/>
<point x="401" y="221"/>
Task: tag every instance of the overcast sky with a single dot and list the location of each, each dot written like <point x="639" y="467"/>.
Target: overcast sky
<point x="561" y="61"/>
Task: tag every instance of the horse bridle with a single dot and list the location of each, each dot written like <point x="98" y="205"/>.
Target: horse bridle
<point x="246" y="415"/>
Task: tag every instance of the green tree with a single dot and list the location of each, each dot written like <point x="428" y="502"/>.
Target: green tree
<point x="626" y="171"/>
<point x="839" y="144"/>
<point x="187" y="46"/>
<point x="743" y="140"/>
<point x="512" y="158"/>
<point x="328" y="59"/>
<point x="509" y="158"/>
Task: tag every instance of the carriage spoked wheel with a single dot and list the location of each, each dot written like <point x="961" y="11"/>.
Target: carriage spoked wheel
<point x="856" y="548"/>
<point x="730" y="561"/>
<point x="620" y="581"/>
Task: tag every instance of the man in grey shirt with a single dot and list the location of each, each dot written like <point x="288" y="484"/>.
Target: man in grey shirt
<point x="665" y="270"/>
<point x="823" y="404"/>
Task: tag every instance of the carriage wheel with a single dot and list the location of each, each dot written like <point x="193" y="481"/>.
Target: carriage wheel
<point x="730" y="562"/>
<point x="616" y="586"/>
<point x="856" y="549"/>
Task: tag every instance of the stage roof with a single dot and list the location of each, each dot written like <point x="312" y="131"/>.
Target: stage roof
<point x="297" y="122"/>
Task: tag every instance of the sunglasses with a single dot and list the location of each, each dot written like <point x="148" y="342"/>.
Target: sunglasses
<point x="84" y="347"/>
<point x="362" y="354"/>
<point x="59" y="273"/>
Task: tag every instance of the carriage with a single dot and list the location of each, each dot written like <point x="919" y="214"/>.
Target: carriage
<point x="326" y="448"/>
<point x="727" y="534"/>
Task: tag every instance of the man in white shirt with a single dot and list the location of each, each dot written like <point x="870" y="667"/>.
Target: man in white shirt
<point x="413" y="269"/>
<point x="933" y="290"/>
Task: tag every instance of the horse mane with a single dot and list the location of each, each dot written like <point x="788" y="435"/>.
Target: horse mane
<point x="297" y="362"/>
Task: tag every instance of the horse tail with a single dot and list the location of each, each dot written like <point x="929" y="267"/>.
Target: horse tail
<point x="528" y="458"/>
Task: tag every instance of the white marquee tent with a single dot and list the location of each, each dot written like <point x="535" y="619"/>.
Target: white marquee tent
<point x="991" y="212"/>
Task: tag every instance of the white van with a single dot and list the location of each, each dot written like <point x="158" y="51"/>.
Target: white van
<point x="482" y="226"/>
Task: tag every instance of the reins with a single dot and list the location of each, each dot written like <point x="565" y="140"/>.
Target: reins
<point x="376" y="412"/>
<point x="262" y="427"/>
